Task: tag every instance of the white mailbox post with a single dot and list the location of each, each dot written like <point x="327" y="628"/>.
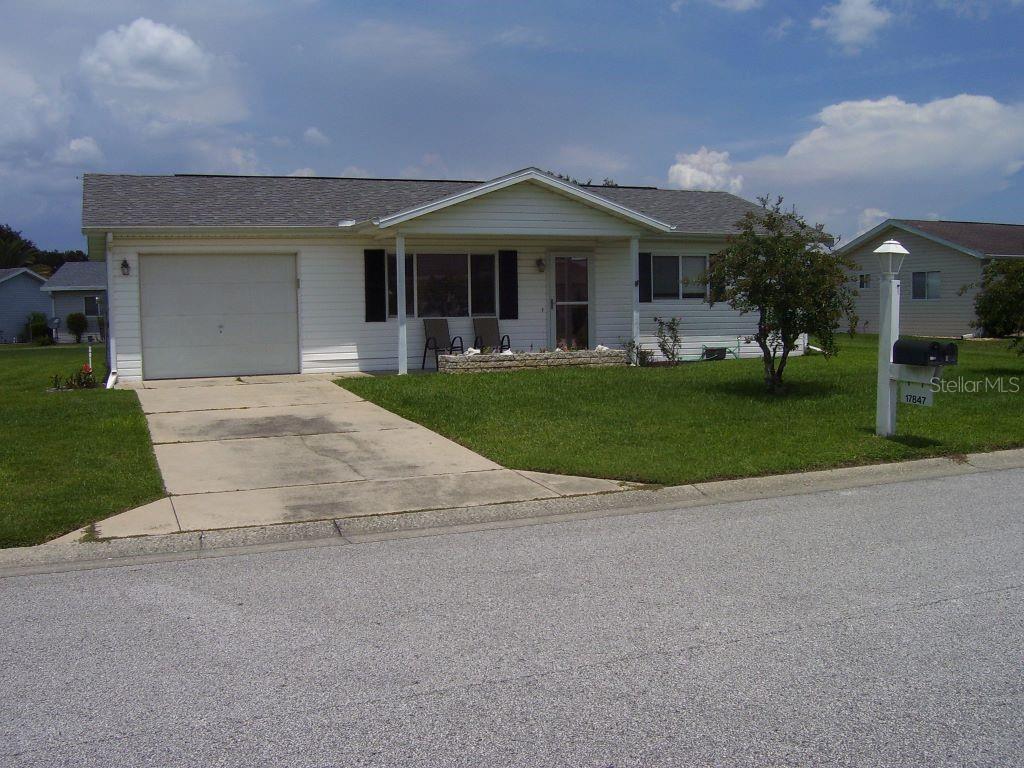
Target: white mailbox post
<point x="890" y="259"/>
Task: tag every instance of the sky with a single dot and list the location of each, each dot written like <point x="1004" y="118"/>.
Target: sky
<point x="853" y="110"/>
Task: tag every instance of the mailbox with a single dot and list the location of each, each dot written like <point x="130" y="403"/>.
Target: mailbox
<point x="923" y="352"/>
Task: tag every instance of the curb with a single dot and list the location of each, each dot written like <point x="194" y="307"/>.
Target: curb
<point x="63" y="554"/>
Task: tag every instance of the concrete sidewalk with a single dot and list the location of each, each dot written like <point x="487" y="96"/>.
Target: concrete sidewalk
<point x="247" y="451"/>
<point x="68" y="553"/>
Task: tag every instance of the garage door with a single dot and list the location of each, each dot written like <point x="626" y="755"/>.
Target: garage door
<point x="222" y="315"/>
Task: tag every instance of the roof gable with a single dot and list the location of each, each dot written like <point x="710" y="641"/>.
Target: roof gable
<point x="12" y="272"/>
<point x="527" y="176"/>
<point x="978" y="239"/>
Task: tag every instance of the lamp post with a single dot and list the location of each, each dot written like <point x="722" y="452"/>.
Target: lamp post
<point x="890" y="259"/>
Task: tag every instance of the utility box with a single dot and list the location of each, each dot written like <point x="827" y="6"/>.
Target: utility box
<point x="922" y="352"/>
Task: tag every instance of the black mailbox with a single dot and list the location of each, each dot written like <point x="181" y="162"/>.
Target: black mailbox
<point x="923" y="352"/>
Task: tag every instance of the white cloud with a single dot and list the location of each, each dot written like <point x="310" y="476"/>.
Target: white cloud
<point x="587" y="160"/>
<point x="705" y="169"/>
<point x="154" y="75"/>
<point x="871" y="217"/>
<point x="899" y="156"/>
<point x="81" y="151"/>
<point x="216" y="156"/>
<point x="853" y="24"/>
<point x="355" y="171"/>
<point x="303" y="172"/>
<point x="401" y="49"/>
<point x="431" y="165"/>
<point x="29" y="111"/>
<point x="780" y="30"/>
<point x="729" y="5"/>
<point x="522" y="37"/>
<point x="149" y="55"/>
<point x="315" y="137"/>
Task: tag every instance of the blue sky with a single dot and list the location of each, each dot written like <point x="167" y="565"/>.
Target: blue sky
<point x="851" y="109"/>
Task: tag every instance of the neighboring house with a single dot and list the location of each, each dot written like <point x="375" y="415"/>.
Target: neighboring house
<point x="79" y="286"/>
<point x="20" y="296"/>
<point x="945" y="256"/>
<point x="227" y="275"/>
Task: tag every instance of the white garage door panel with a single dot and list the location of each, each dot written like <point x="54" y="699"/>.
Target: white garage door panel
<point x="218" y="315"/>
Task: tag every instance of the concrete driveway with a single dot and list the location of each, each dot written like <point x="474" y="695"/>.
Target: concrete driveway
<point x="277" y="449"/>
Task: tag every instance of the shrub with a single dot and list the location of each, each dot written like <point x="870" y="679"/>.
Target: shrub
<point x="84" y="378"/>
<point x="77" y="324"/>
<point x="36" y="328"/>
<point x="669" y="339"/>
<point x="1000" y="303"/>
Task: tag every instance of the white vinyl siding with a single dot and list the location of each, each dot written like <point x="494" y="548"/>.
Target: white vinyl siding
<point x="949" y="315"/>
<point x="523" y="209"/>
<point x="333" y="333"/>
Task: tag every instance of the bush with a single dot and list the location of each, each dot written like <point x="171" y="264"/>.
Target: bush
<point x="1000" y="303"/>
<point x="670" y="341"/>
<point x="84" y="378"/>
<point x="77" y="324"/>
<point x="36" y="328"/>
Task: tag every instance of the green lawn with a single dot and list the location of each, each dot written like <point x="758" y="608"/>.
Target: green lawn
<point x="705" y="421"/>
<point x="66" y="458"/>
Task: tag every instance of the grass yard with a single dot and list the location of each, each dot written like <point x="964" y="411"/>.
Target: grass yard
<point x="66" y="458"/>
<point x="705" y="421"/>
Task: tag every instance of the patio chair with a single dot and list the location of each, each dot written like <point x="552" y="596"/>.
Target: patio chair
<point x="439" y="340"/>
<point x="489" y="335"/>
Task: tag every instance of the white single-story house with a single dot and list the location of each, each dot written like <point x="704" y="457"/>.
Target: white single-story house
<point x="78" y="286"/>
<point x="20" y="296"/>
<point x="945" y="256"/>
<point x="228" y="275"/>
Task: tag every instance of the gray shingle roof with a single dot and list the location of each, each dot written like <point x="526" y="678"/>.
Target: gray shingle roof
<point x="78" y="274"/>
<point x="990" y="239"/>
<point x="111" y="200"/>
<point x="12" y="271"/>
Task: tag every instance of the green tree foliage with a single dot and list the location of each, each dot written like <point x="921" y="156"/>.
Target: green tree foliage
<point x="784" y="270"/>
<point x="999" y="304"/>
<point x="16" y="250"/>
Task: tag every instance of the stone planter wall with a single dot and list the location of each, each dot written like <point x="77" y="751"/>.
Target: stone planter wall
<point x="582" y="358"/>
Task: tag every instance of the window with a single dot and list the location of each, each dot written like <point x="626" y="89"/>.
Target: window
<point x="694" y="277"/>
<point x="865" y="281"/>
<point x="447" y="285"/>
<point x="665" y="277"/>
<point x="926" y="285"/>
<point x="676" y="277"/>
<point x="92" y="306"/>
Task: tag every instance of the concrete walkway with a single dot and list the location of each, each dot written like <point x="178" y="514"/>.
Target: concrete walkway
<point x="264" y="450"/>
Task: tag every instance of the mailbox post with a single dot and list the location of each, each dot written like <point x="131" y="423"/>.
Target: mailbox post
<point x="890" y="259"/>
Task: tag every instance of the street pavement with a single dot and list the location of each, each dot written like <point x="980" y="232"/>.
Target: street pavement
<point x="879" y="626"/>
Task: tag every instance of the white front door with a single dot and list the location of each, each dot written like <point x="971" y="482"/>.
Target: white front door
<point x="218" y="315"/>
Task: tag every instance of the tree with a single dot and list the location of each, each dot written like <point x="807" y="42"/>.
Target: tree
<point x="785" y="271"/>
<point x="999" y="304"/>
<point x="15" y="250"/>
<point x="77" y="324"/>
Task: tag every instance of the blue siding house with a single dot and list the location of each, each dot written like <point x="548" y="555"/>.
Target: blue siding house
<point x="20" y="296"/>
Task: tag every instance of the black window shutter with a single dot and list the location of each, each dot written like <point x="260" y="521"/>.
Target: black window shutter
<point x="392" y="286"/>
<point x="375" y="286"/>
<point x="410" y="309"/>
<point x="508" y="285"/>
<point x="645" y="278"/>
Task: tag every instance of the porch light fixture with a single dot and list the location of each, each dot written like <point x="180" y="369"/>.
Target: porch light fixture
<point x="541" y="265"/>
<point x="890" y="257"/>
<point x="126" y="268"/>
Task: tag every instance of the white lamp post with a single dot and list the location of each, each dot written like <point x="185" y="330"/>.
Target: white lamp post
<point x="890" y="259"/>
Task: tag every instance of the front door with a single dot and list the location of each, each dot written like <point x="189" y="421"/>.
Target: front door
<point x="572" y="302"/>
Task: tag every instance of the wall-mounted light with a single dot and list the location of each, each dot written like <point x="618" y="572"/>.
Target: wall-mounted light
<point x="126" y="268"/>
<point x="541" y="265"/>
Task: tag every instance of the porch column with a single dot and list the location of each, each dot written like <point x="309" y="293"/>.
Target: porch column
<point x="403" y="339"/>
<point x="634" y="259"/>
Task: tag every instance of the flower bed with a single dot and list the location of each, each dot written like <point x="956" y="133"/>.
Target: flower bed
<point x="517" y="361"/>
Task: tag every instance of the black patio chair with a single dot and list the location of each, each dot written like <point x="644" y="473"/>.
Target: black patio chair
<point x="439" y="340"/>
<point x="489" y="335"/>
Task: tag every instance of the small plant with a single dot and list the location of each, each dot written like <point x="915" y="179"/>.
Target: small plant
<point x="636" y="354"/>
<point x="36" y="328"/>
<point x="669" y="339"/>
<point x="77" y="324"/>
<point x="84" y="378"/>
